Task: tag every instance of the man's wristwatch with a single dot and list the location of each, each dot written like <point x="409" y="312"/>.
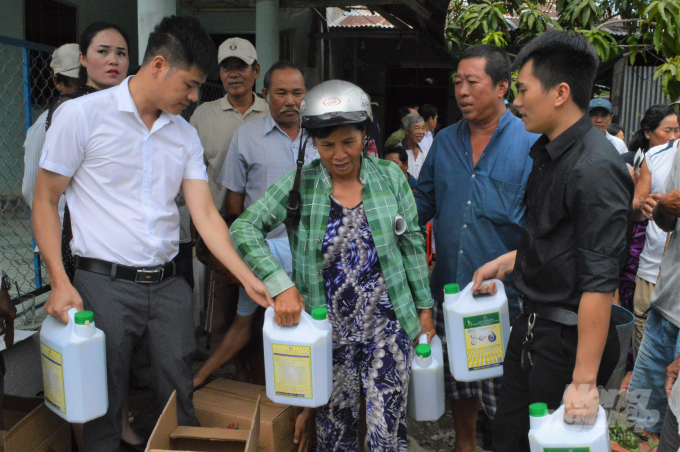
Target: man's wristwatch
<point x="6" y="282"/>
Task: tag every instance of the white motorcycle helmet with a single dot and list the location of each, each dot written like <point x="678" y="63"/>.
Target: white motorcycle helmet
<point x="335" y="102"/>
<point x="331" y="103"/>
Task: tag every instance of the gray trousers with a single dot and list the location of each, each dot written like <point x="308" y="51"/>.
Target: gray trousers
<point x="125" y="311"/>
<point x="670" y="439"/>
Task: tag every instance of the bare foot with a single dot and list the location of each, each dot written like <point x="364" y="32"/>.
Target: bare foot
<point x="465" y="448"/>
<point x="644" y="446"/>
<point x="131" y="437"/>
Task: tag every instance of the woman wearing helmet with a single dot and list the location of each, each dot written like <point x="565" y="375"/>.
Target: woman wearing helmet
<point x="345" y="214"/>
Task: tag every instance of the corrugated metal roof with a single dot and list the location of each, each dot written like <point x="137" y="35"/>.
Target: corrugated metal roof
<point x="356" y="17"/>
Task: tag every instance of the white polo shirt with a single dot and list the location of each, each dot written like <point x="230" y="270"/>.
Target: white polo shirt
<point x="124" y="179"/>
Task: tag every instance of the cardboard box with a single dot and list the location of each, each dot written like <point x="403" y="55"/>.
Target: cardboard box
<point x="219" y="430"/>
<point x="277" y="422"/>
<point x="29" y="426"/>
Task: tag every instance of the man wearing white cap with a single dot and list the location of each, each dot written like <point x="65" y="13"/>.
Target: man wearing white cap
<point x="216" y="121"/>
<point x="65" y="65"/>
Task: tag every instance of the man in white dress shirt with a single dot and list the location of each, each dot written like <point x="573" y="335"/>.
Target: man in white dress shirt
<point x="121" y="155"/>
<point x="601" y="114"/>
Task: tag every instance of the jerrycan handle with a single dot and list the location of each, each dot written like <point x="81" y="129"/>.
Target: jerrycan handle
<point x="72" y="316"/>
<point x="269" y="312"/>
<point x="486" y="282"/>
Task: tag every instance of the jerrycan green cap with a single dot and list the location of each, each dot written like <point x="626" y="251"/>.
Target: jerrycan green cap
<point x="423" y="350"/>
<point x="84" y="316"/>
<point x="451" y="289"/>
<point x="320" y="313"/>
<point x="538" y="410"/>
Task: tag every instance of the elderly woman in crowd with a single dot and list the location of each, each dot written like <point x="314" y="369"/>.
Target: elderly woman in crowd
<point x="340" y="212"/>
<point x="414" y="126"/>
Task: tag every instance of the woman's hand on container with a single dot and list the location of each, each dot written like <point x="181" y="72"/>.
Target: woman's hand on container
<point x="427" y="324"/>
<point x="257" y="291"/>
<point x="287" y="307"/>
<point x="304" y="428"/>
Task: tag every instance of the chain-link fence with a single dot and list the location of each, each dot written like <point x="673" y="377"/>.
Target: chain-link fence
<point x="208" y="92"/>
<point x="26" y="90"/>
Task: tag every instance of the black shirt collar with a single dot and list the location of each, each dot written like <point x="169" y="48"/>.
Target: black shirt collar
<point x="564" y="141"/>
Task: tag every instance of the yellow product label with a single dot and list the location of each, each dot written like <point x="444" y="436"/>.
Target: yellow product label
<point x="53" y="378"/>
<point x="292" y="371"/>
<point x="483" y="341"/>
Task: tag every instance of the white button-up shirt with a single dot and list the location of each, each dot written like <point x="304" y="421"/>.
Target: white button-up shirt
<point x="415" y="164"/>
<point x="124" y="179"/>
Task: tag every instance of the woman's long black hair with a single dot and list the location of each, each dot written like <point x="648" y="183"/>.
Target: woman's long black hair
<point x="649" y="123"/>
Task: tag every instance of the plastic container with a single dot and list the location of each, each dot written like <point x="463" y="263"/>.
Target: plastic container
<point x="74" y="367"/>
<point x="426" y="395"/>
<point x="477" y="332"/>
<point x="298" y="359"/>
<point x="548" y="432"/>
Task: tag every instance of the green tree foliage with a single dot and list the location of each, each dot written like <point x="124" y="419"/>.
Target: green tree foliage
<point x="653" y="28"/>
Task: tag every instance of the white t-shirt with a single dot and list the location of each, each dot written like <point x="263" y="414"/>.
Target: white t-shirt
<point x="124" y="178"/>
<point x="659" y="161"/>
<point x="617" y="142"/>
<point x="427" y="141"/>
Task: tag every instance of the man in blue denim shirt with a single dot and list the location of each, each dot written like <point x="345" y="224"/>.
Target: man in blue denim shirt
<point x="472" y="186"/>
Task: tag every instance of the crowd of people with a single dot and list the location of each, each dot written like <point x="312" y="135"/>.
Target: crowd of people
<point x="541" y="193"/>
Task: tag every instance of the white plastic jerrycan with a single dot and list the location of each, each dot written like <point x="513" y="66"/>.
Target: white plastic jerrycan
<point x="477" y="332"/>
<point x="74" y="367"/>
<point x="298" y="359"/>
<point x="426" y="396"/>
<point x="548" y="432"/>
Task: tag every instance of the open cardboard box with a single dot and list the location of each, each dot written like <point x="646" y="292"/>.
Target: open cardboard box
<point x="29" y="426"/>
<point x="277" y="422"/>
<point x="219" y="431"/>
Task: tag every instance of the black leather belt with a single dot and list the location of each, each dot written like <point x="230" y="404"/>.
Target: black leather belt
<point x="143" y="275"/>
<point x="553" y="313"/>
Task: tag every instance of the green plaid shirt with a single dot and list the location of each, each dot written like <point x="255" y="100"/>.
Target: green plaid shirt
<point x="385" y="195"/>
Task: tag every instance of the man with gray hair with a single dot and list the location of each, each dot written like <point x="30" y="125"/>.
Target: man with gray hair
<point x="414" y="132"/>
<point x="261" y="152"/>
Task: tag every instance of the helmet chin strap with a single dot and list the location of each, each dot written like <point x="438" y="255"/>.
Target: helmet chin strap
<point x="294" y="205"/>
<point x="294" y="198"/>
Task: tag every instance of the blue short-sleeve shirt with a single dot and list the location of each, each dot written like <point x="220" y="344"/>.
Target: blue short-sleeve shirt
<point x="477" y="211"/>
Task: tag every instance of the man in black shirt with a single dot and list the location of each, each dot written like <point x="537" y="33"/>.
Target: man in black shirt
<point x="567" y="264"/>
